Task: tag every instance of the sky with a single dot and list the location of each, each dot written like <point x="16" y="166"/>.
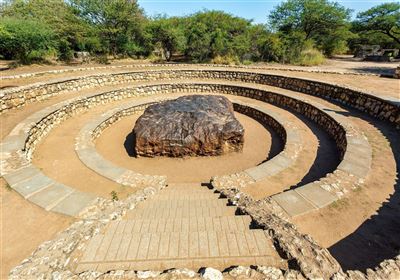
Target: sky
<point x="257" y="10"/>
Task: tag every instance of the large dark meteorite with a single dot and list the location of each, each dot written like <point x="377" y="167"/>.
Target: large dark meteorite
<point x="196" y="125"/>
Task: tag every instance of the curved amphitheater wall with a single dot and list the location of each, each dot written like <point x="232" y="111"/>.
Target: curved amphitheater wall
<point x="385" y="109"/>
<point x="313" y="260"/>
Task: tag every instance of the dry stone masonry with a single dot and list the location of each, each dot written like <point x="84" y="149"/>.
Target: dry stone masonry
<point x="88" y="155"/>
<point x="313" y="196"/>
<point x="93" y="247"/>
<point x="385" y="108"/>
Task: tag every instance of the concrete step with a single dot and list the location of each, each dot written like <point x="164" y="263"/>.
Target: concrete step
<point x="181" y="212"/>
<point x="185" y="195"/>
<point x="158" y="251"/>
<point x="225" y="223"/>
<point x="186" y="186"/>
<point x="186" y="191"/>
<point x="180" y="203"/>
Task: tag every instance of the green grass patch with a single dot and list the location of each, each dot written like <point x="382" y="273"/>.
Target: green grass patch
<point x="114" y="195"/>
<point x="339" y="204"/>
<point x="311" y="57"/>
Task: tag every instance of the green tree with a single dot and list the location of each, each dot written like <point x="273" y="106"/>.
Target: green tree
<point x="326" y="23"/>
<point x="71" y="32"/>
<point x="168" y="33"/>
<point x="120" y="23"/>
<point x="384" y="19"/>
<point x="25" y="40"/>
<point x="257" y="36"/>
<point x="215" y="33"/>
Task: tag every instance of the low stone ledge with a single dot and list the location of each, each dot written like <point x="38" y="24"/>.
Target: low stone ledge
<point x="92" y="130"/>
<point x="41" y="73"/>
<point x="381" y="107"/>
<point x="54" y="258"/>
<point x="330" y="121"/>
<point x="313" y="261"/>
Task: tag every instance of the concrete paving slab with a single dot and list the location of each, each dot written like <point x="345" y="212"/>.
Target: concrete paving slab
<point x="51" y="196"/>
<point x="100" y="165"/>
<point x="356" y="168"/>
<point x="21" y="175"/>
<point x="269" y="168"/>
<point x="34" y="184"/>
<point x="293" y="203"/>
<point x="316" y="195"/>
<point x="74" y="203"/>
<point x="12" y="143"/>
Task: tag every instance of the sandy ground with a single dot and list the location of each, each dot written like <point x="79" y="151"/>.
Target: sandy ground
<point x="378" y="86"/>
<point x="374" y="84"/>
<point x="366" y="222"/>
<point x="24" y="226"/>
<point x="346" y="63"/>
<point x="257" y="143"/>
<point x="317" y="158"/>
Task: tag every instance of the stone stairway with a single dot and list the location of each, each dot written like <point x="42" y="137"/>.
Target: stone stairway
<point x="184" y="225"/>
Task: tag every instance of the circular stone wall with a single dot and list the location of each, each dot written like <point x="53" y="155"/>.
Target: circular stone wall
<point x="114" y="144"/>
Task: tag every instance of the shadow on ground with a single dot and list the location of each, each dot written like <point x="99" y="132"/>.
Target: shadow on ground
<point x="129" y="144"/>
<point x="327" y="158"/>
<point x="383" y="71"/>
<point x="378" y="238"/>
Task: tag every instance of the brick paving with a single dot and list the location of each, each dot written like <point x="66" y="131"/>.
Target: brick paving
<point x="181" y="226"/>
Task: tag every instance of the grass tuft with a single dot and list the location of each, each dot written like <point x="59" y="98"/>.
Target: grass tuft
<point x="114" y="196"/>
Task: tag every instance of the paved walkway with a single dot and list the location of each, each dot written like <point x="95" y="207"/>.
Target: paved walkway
<point x="182" y="226"/>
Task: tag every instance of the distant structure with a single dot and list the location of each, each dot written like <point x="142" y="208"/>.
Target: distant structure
<point x="397" y="73"/>
<point x="376" y="53"/>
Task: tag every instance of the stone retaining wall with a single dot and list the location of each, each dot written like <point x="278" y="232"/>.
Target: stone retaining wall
<point x="164" y="65"/>
<point x="312" y="260"/>
<point x="264" y="119"/>
<point x="384" y="109"/>
<point x="118" y="115"/>
<point x="334" y="129"/>
<point x="86" y="151"/>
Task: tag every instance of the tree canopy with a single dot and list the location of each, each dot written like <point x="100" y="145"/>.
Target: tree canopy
<point x="297" y="31"/>
<point x="167" y="34"/>
<point x="384" y="19"/>
<point x="324" y="22"/>
<point x="119" y="23"/>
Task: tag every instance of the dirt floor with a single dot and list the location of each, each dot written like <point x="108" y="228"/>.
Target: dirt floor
<point x="366" y="222"/>
<point x="374" y="84"/>
<point x="115" y="144"/>
<point x="111" y="144"/>
<point x="24" y="226"/>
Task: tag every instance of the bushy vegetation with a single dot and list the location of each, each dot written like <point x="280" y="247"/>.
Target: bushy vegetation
<point x="379" y="25"/>
<point x="297" y="31"/>
<point x="25" y="40"/>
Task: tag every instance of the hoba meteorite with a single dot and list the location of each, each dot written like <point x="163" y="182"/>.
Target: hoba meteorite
<point x="195" y="125"/>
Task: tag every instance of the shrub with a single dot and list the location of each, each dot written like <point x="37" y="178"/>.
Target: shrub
<point x="247" y="62"/>
<point x="25" y="40"/>
<point x="102" y="59"/>
<point x="225" y="60"/>
<point x="311" y="57"/>
<point x="114" y="196"/>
